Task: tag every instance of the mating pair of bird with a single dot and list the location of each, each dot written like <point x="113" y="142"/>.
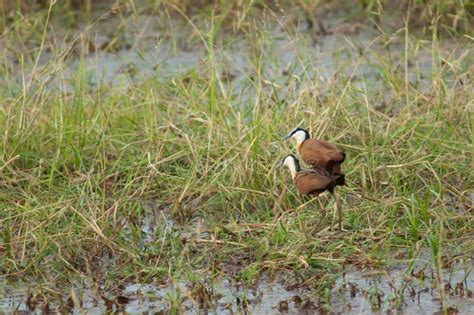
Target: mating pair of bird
<point x="325" y="161"/>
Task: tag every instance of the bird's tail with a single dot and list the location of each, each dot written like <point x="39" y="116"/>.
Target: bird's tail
<point x="340" y="180"/>
<point x="343" y="156"/>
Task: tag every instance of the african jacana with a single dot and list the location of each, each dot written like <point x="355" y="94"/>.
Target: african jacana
<point x="318" y="153"/>
<point x="312" y="181"/>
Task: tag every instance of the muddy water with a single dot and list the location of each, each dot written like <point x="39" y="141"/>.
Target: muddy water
<point x="224" y="297"/>
<point x="125" y="52"/>
<point x="374" y="291"/>
<point x="355" y="292"/>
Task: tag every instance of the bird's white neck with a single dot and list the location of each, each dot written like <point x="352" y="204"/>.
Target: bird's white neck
<point x="299" y="137"/>
<point x="292" y="167"/>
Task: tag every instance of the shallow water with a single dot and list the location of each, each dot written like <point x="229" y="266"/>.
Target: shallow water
<point x="382" y="291"/>
<point x="150" y="48"/>
<point x="223" y="297"/>
<point x="355" y="292"/>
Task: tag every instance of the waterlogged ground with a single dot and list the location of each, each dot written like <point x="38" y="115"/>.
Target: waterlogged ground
<point x="409" y="288"/>
<point x="122" y="52"/>
<point x="118" y="54"/>
<point x="356" y="292"/>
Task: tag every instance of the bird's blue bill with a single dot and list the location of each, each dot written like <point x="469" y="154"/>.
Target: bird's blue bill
<point x="279" y="164"/>
<point x="287" y="136"/>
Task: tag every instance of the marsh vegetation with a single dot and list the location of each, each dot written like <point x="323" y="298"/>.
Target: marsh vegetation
<point x="140" y="140"/>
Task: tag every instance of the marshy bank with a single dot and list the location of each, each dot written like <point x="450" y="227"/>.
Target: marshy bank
<point x="140" y="141"/>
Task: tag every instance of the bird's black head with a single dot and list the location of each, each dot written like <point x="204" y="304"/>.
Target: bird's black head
<point x="290" y="160"/>
<point x="299" y="134"/>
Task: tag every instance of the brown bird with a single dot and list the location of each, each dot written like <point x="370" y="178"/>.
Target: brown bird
<point x="311" y="181"/>
<point x="318" y="153"/>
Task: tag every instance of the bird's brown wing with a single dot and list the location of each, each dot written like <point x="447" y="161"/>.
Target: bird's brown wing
<point x="320" y="153"/>
<point x="335" y="154"/>
<point x="326" y="145"/>
<point x="309" y="181"/>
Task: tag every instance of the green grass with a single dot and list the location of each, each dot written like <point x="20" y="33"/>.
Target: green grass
<point x="79" y="169"/>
